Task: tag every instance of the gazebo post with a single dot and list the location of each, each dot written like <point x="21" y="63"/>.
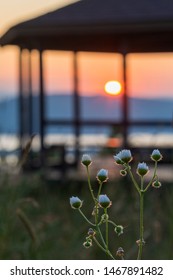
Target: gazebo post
<point x="21" y="130"/>
<point x="42" y="111"/>
<point x="125" y="105"/>
<point x="76" y="107"/>
<point x="30" y="94"/>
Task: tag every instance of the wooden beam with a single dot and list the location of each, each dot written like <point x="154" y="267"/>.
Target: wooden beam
<point x="76" y="107"/>
<point x="42" y="107"/>
<point x="125" y="105"/>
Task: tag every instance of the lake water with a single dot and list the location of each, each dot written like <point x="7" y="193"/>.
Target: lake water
<point x="11" y="142"/>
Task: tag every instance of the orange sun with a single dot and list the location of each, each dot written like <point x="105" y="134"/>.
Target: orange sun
<point x="113" y="87"/>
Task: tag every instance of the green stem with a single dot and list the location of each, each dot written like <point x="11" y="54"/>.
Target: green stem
<point x="96" y="204"/>
<point x="106" y="250"/>
<point x="141" y="239"/>
<point x="142" y="183"/>
<point x="107" y="230"/>
<point x="99" y="231"/>
<point x="83" y="215"/>
<point x="103" y="249"/>
<point x="89" y="184"/>
<point x="105" y="244"/>
<point x="101" y="236"/>
<point x="96" y="212"/>
<point x="100" y="188"/>
<point x="154" y="175"/>
<point x="133" y="179"/>
<point x="111" y="222"/>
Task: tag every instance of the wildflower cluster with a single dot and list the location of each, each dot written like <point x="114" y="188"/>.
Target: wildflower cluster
<point x="102" y="202"/>
<point x="123" y="158"/>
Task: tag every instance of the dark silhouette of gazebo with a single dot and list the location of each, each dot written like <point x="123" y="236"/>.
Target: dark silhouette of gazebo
<point x="97" y="26"/>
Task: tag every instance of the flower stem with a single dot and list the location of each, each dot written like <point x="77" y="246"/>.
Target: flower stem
<point x="105" y="244"/>
<point x="99" y="191"/>
<point x="89" y="185"/>
<point x="111" y="222"/>
<point x="103" y="249"/>
<point x="141" y="240"/>
<point x="133" y="179"/>
<point x="154" y="175"/>
<point x="86" y="219"/>
<point x="101" y="236"/>
<point x="107" y="230"/>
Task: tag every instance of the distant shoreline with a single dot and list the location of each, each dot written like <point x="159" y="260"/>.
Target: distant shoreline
<point x="10" y="142"/>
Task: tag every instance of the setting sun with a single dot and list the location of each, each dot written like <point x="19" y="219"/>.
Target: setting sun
<point x="113" y="87"/>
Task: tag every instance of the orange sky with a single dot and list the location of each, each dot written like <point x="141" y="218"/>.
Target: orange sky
<point x="149" y="75"/>
<point x="95" y="69"/>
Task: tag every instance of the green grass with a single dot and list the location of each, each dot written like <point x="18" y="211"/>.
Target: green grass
<point x="61" y="231"/>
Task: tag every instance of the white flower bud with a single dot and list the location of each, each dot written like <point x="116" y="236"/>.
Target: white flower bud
<point x="142" y="169"/>
<point x="75" y="202"/>
<point x="104" y="201"/>
<point x="102" y="175"/>
<point x="156" y="155"/>
<point x="123" y="156"/>
<point x="86" y="160"/>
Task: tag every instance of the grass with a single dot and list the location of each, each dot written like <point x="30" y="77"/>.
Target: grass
<point x="60" y="231"/>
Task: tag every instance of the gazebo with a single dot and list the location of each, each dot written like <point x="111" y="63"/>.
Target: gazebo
<point x="93" y="26"/>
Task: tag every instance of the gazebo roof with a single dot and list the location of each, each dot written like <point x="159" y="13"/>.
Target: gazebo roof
<point x="99" y="25"/>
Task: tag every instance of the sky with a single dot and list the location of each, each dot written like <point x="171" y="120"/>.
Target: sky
<point x="149" y="75"/>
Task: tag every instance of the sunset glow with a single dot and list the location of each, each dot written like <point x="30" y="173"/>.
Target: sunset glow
<point x="113" y="87"/>
<point x="148" y="75"/>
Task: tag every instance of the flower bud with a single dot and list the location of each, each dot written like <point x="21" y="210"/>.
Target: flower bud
<point x="87" y="244"/>
<point x="123" y="156"/>
<point x="142" y="169"/>
<point x="104" y="201"/>
<point x="119" y="229"/>
<point x="104" y="218"/>
<point x="156" y="184"/>
<point x="123" y="172"/>
<point x="75" y="202"/>
<point x="156" y="155"/>
<point x="91" y="232"/>
<point x="120" y="252"/>
<point x="86" y="160"/>
<point x="102" y="175"/>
